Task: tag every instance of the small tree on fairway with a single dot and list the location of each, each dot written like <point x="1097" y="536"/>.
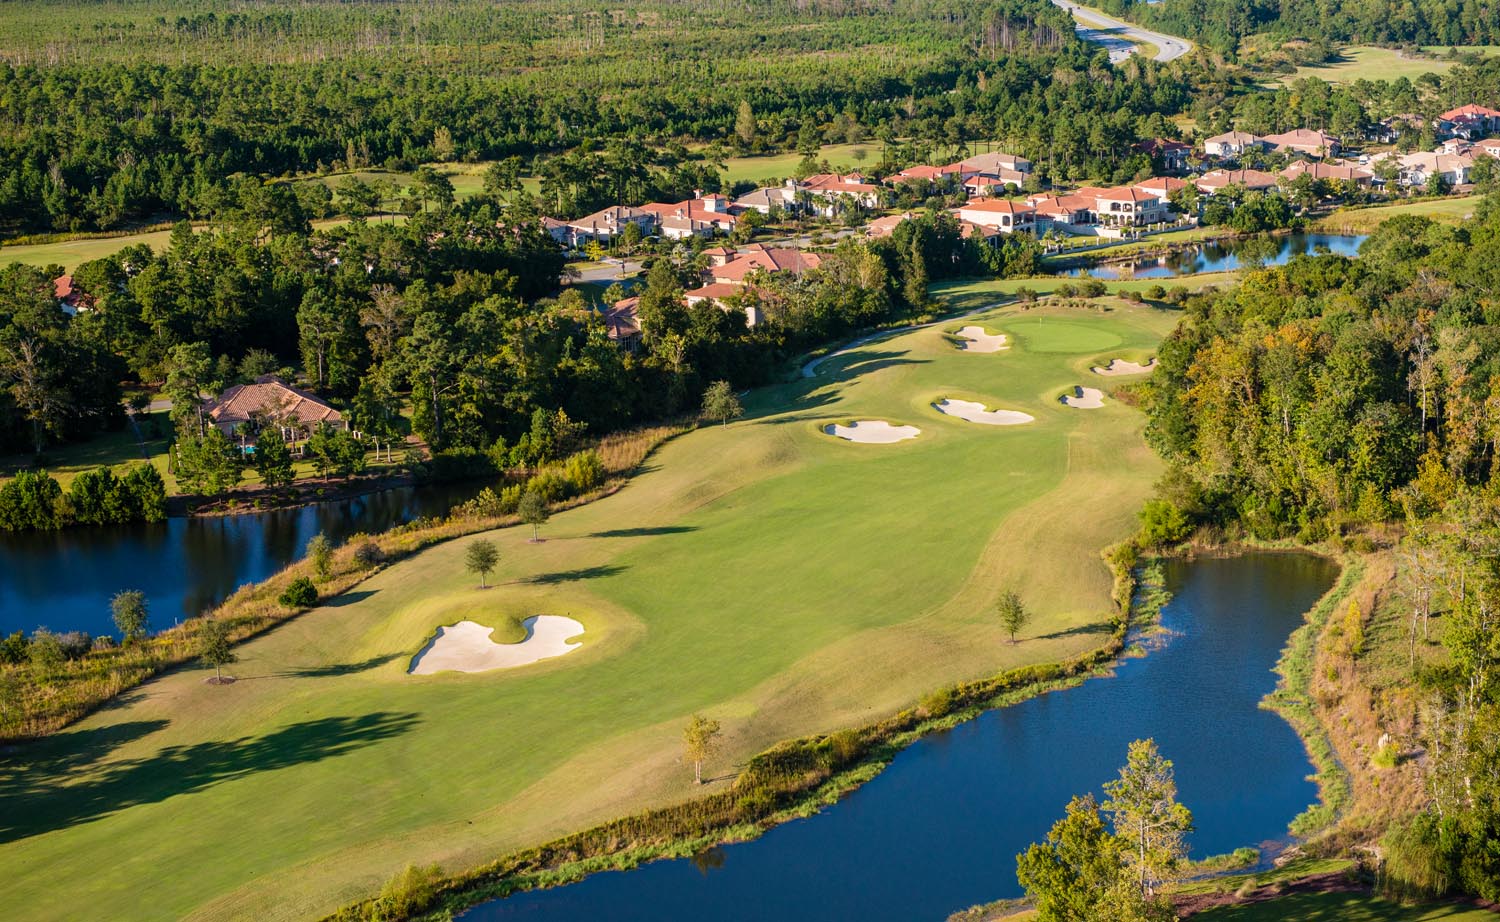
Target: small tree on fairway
<point x="129" y="609"/>
<point x="217" y="651"/>
<point x="1146" y="816"/>
<point x="700" y="740"/>
<point x="720" y="403"/>
<point x="320" y="554"/>
<point x="481" y="558"/>
<point x="533" y="511"/>
<point x="1013" y="614"/>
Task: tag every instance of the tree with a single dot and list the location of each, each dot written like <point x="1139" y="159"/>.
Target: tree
<point x="700" y="740"/>
<point x="300" y="593"/>
<point x="216" y="649"/>
<point x="129" y="610"/>
<point x="533" y="511"/>
<point x="744" y="124"/>
<point x="1144" y="811"/>
<point x="720" y="403"/>
<point x="273" y="460"/>
<point x="1071" y="875"/>
<point x="481" y="557"/>
<point x="1013" y="613"/>
<point x="209" y="465"/>
<point x="320" y="554"/>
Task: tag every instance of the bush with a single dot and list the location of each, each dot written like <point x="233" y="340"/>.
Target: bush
<point x="367" y="554"/>
<point x="300" y="594"/>
<point x="1093" y="288"/>
<point x="14" y="649"/>
<point x="408" y="893"/>
<point x="846" y="746"/>
<point x="75" y="644"/>
<point x="938" y="703"/>
<point x="1162" y="523"/>
<point x="584" y="471"/>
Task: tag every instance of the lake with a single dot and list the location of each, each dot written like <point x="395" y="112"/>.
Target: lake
<point x="1224" y="256"/>
<point x="939" y="829"/>
<point x="64" y="579"/>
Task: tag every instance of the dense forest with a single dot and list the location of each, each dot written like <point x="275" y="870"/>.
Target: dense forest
<point x="92" y="137"/>
<point x="1222" y="24"/>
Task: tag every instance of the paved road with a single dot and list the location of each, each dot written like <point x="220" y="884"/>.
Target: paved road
<point x="1114" y="34"/>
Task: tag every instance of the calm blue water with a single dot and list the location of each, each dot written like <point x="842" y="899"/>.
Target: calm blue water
<point x="64" y="580"/>
<point x="1225" y="257"/>
<point x="939" y="829"/>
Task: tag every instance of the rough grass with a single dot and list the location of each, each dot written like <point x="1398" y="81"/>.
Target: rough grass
<point x="1363" y="62"/>
<point x="1448" y="210"/>
<point x="780" y="581"/>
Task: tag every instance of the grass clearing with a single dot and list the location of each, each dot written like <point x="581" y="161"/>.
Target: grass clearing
<point x="1364" y="62"/>
<point x="778" y="580"/>
<point x="1448" y="210"/>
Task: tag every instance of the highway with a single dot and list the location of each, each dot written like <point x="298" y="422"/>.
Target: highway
<point x="1120" y="36"/>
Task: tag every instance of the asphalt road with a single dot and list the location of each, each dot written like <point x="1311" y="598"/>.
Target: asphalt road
<point x="1116" y="34"/>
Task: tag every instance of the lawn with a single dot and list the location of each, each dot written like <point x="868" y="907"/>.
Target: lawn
<point x="776" y="579"/>
<point x="111" y="449"/>
<point x="1449" y="210"/>
<point x="1341" y="907"/>
<point x="1362" y="62"/>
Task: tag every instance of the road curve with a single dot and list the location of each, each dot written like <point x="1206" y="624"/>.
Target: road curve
<point x="1114" y="34"/>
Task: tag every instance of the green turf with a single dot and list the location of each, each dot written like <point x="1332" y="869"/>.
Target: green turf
<point x="1449" y="210"/>
<point x="1369" y="63"/>
<point x="777" y="579"/>
<point x="1341" y="907"/>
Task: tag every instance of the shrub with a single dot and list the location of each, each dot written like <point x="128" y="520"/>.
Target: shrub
<point x="846" y="746"/>
<point x="1162" y="523"/>
<point x="1093" y="288"/>
<point x="45" y="650"/>
<point x="367" y="554"/>
<point x="1156" y="292"/>
<point x="14" y="648"/>
<point x="75" y="644"/>
<point x="408" y="893"/>
<point x="550" y="484"/>
<point x="938" y="703"/>
<point x="584" y="471"/>
<point x="300" y="594"/>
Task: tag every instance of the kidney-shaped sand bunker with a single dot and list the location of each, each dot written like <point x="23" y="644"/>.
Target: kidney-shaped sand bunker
<point x="466" y="646"/>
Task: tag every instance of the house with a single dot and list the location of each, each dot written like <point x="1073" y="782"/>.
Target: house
<point x="607" y="223"/>
<point x="719" y="255"/>
<point x="1490" y="147"/>
<point x="1232" y="144"/>
<point x="1332" y="172"/>
<point x="767" y="197"/>
<point x="992" y="163"/>
<point x="1304" y="141"/>
<point x="1129" y="206"/>
<point x="925" y="174"/>
<point x="557" y="230"/>
<point x="1418" y="169"/>
<point x="713" y="291"/>
<point x="1006" y="216"/>
<point x="623" y="323"/>
<point x="1171" y="156"/>
<point x="968" y="230"/>
<point x="1063" y="211"/>
<point x="70" y="298"/>
<point x="831" y="188"/>
<point x="270" y="401"/>
<point x="1252" y="180"/>
<point x="696" y="217"/>
<point x="1162" y="186"/>
<point x="1469" y="121"/>
<point x="765" y="259"/>
<point x="996" y="183"/>
<point x="884" y="227"/>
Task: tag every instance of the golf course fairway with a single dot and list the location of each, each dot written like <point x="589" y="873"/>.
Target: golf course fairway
<point x="764" y="574"/>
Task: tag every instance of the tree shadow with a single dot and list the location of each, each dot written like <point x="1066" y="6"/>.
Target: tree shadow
<point x="67" y="753"/>
<point x="1079" y="630"/>
<point x="644" y="531"/>
<point x="42" y="802"/>
<point x="573" y="576"/>
<point x="339" y="669"/>
<point x="347" y="598"/>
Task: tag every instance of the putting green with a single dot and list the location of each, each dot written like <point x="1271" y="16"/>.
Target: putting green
<point x="778" y="580"/>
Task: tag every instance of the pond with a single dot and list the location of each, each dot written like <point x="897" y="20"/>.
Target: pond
<point x="1224" y="256"/>
<point x="63" y="580"/>
<point x="939" y="829"/>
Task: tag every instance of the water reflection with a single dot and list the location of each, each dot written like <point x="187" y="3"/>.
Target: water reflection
<point x="1225" y="256"/>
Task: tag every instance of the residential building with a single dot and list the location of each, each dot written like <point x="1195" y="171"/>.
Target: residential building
<point x="884" y="227"/>
<point x="270" y="401"/>
<point x="1232" y="145"/>
<point x="1063" y="211"/>
<point x="70" y="298"/>
<point x="996" y="183"/>
<point x="1006" y="216"/>
<point x="1471" y="121"/>
<point x="1162" y="186"/>
<point x="766" y="259"/>
<point x="607" y="223"/>
<point x="828" y="189"/>
<point x="993" y="163"/>
<point x="696" y="217"/>
<point x="767" y="197"/>
<point x="1418" y="169"/>
<point x="1252" y="180"/>
<point x="1304" y="141"/>
<point x="1333" y="172"/>
<point x="623" y="322"/>
<point x="1171" y="156"/>
<point x="1129" y="206"/>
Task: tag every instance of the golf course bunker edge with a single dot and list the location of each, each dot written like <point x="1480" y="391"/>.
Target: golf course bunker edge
<point x="467" y="647"/>
<point x="871" y="432"/>
<point x="973" y="412"/>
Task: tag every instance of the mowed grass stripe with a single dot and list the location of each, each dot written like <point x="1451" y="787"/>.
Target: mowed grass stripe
<point x="778" y="579"/>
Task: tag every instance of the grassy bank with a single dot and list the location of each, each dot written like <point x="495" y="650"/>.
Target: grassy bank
<point x="780" y="581"/>
<point x="1364" y="219"/>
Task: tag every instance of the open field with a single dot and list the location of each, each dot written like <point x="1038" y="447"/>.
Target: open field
<point x="1363" y="62"/>
<point x="1364" y="220"/>
<point x="779" y="580"/>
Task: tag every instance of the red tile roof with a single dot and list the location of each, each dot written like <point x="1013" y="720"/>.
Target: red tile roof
<point x="272" y="397"/>
<point x="777" y="259"/>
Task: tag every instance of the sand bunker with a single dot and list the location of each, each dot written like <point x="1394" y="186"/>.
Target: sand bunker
<point x="872" y="432"/>
<point x="466" y="646"/>
<point x="1121" y="367"/>
<point x="976" y="413"/>
<point x="977" y="340"/>
<point x="1084" y="398"/>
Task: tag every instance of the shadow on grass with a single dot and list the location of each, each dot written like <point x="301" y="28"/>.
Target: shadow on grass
<point x="347" y="598"/>
<point x="339" y="669"/>
<point x="1080" y="630"/>
<point x="573" y="576"/>
<point x="42" y="801"/>
<point x="644" y="531"/>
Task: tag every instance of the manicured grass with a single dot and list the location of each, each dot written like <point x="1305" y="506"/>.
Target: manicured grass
<point x="1341" y="907"/>
<point x="70" y="253"/>
<point x="771" y="167"/>
<point x="110" y="449"/>
<point x="1368" y="63"/>
<point x="968" y="294"/>
<point x="778" y="580"/>
<point x="1449" y="210"/>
